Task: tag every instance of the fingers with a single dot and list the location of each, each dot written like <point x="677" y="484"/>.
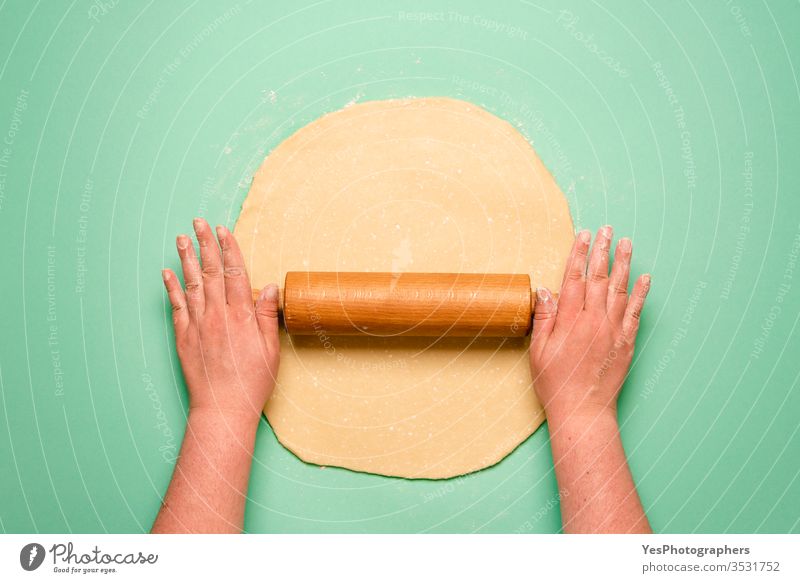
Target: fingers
<point x="213" y="286"/>
<point x="570" y="302"/>
<point x="597" y="276"/>
<point x="237" y="284"/>
<point x="633" y="311"/>
<point x="544" y="319"/>
<point x="195" y="298"/>
<point x="267" y="316"/>
<point x="618" y="282"/>
<point x="177" y="299"/>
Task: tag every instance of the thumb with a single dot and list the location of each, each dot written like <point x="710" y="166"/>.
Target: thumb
<point x="544" y="319"/>
<point x="267" y="316"/>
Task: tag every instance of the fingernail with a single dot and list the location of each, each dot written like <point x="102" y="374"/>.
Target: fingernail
<point x="585" y="236"/>
<point x="606" y="231"/>
<point x="198" y="223"/>
<point x="625" y="245"/>
<point x="646" y="281"/>
<point x="222" y="232"/>
<point x="270" y="292"/>
<point x="164" y="275"/>
<point x="543" y="294"/>
<point x="183" y="241"/>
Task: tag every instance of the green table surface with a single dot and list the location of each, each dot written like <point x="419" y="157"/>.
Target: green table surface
<point x="677" y="122"/>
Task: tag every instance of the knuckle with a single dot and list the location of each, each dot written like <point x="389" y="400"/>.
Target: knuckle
<point x="234" y="271"/>
<point x="193" y="287"/>
<point x="597" y="276"/>
<point x="184" y="341"/>
<point x="595" y="320"/>
<point x="575" y="275"/>
<point x="211" y="321"/>
<point x="568" y="312"/>
<point x="242" y="314"/>
<point x="182" y="345"/>
<point x="544" y="315"/>
<point x="267" y="312"/>
<point x="211" y="271"/>
<point x="622" y="341"/>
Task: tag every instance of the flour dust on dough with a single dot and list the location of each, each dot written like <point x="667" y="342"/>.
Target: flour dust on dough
<point x="424" y="185"/>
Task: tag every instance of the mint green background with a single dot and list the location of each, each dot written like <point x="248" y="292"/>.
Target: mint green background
<point x="710" y="414"/>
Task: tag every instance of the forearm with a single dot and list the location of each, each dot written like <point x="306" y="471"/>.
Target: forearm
<point x="209" y="485"/>
<point x="597" y="490"/>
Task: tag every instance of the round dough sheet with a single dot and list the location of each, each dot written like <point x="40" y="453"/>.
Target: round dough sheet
<point x="424" y="185"/>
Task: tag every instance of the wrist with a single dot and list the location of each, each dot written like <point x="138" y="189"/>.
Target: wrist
<point x="233" y="420"/>
<point x="582" y="414"/>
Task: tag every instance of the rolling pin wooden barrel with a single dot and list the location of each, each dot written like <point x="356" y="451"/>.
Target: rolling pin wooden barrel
<point x="406" y="304"/>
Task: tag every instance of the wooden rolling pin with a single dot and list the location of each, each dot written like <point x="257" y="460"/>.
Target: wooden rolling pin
<point x="406" y="304"/>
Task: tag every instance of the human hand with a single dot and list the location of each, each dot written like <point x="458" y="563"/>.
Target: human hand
<point x="228" y="349"/>
<point x="582" y="347"/>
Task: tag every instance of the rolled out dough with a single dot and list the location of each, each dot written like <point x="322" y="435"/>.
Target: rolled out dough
<point x="426" y="185"/>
